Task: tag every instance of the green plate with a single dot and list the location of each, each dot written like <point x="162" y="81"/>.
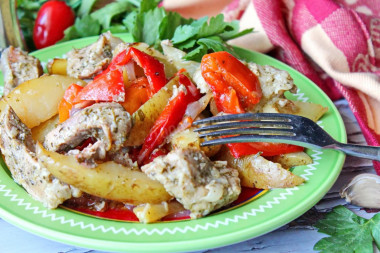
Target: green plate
<point x="270" y="211"/>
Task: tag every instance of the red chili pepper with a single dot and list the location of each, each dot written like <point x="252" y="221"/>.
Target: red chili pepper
<point x="67" y="101"/>
<point x="169" y="118"/>
<point x="236" y="89"/>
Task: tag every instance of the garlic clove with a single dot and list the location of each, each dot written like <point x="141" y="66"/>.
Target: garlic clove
<point x="363" y="190"/>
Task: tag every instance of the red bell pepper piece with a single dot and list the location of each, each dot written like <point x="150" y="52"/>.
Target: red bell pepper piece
<point x="169" y="118"/>
<point x="153" y="69"/>
<point x="136" y="95"/>
<point x="267" y="148"/>
<point x="108" y="87"/>
<point x="236" y="89"/>
<point x="223" y="72"/>
<point x="67" y="101"/>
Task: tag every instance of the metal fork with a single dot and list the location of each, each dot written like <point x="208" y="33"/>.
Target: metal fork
<point x="276" y="127"/>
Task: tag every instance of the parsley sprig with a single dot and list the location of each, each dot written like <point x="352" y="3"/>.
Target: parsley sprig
<point x="148" y="23"/>
<point x="348" y="232"/>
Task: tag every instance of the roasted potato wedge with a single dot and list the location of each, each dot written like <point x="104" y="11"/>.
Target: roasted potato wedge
<point x="256" y="171"/>
<point x="143" y="119"/>
<point x="37" y="100"/>
<point x="108" y="180"/>
<point x="57" y="67"/>
<point x="190" y="139"/>
<point x="309" y="110"/>
<point x="148" y="213"/>
<point x="292" y="159"/>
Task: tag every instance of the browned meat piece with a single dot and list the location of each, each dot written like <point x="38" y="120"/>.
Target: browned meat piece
<point x="108" y="123"/>
<point x="17" y="67"/>
<point x="18" y="148"/>
<point x="89" y="61"/>
<point x="199" y="184"/>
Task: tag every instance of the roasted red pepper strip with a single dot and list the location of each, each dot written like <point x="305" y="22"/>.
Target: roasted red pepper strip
<point x="267" y="148"/>
<point x="108" y="87"/>
<point x="153" y="69"/>
<point x="169" y="118"/>
<point x="136" y="95"/>
<point x="236" y="89"/>
<point x="67" y="101"/>
<point x="223" y="72"/>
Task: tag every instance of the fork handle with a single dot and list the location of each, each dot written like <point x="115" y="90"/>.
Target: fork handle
<point x="368" y="152"/>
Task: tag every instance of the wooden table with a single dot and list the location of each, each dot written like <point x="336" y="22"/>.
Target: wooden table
<point x="297" y="236"/>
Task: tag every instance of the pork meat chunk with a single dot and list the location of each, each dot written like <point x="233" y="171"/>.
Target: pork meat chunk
<point x="91" y="60"/>
<point x="274" y="83"/>
<point x="17" y="67"/>
<point x="107" y="123"/>
<point x="199" y="184"/>
<point x="18" y="149"/>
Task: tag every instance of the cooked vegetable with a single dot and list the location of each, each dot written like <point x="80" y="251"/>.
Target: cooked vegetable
<point x="236" y="89"/>
<point x="108" y="180"/>
<point x="148" y="213"/>
<point x="290" y="160"/>
<point x="169" y="118"/>
<point x="107" y="87"/>
<point x="153" y="69"/>
<point x="67" y="101"/>
<point x="256" y="171"/>
<point x="37" y="100"/>
<point x="57" y="67"/>
<point x="309" y="110"/>
<point x="136" y="95"/>
<point x="190" y="139"/>
<point x="144" y="118"/>
<point x="234" y="86"/>
<point x="264" y="148"/>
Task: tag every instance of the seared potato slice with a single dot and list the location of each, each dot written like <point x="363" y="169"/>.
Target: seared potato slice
<point x="148" y="213"/>
<point x="57" y="67"/>
<point x="37" y="100"/>
<point x="108" y="180"/>
<point x="309" y="110"/>
<point x="256" y="171"/>
<point x="190" y="139"/>
<point x="292" y="159"/>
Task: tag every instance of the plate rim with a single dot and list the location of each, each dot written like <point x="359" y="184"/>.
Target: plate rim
<point x="192" y="244"/>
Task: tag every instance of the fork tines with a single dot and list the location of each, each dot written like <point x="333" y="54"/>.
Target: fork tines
<point x="247" y="127"/>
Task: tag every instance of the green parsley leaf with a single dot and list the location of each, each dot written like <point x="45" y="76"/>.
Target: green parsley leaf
<point x="105" y="15"/>
<point x="169" y="23"/>
<point x="348" y="232"/>
<point x="189" y="31"/>
<point x="83" y="27"/>
<point x="85" y="8"/>
<point x="152" y="21"/>
<point x="234" y="32"/>
<point x="215" y="26"/>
